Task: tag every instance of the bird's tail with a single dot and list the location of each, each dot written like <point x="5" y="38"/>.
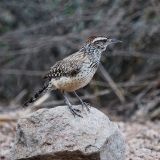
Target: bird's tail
<point x="43" y="90"/>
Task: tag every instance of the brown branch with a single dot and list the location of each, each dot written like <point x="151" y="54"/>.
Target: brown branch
<point x="112" y="84"/>
<point x="22" y="72"/>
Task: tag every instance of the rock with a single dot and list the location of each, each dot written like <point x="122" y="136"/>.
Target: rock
<point x="55" y="134"/>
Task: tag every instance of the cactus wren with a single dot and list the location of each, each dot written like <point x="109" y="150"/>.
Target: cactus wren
<point x="75" y="71"/>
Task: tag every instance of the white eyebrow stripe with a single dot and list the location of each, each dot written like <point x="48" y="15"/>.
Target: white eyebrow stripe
<point x="99" y="38"/>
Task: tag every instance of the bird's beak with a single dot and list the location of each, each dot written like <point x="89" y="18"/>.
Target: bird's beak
<point x="114" y="41"/>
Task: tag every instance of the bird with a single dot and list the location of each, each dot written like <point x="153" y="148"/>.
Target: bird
<point x="75" y="71"/>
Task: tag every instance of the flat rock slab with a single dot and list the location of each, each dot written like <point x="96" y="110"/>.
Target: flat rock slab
<point x="55" y="134"/>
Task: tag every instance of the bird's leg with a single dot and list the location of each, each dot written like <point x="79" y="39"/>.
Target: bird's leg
<point x="84" y="104"/>
<point x="72" y="110"/>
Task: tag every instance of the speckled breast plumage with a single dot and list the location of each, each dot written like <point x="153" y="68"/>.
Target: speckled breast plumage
<point x="73" y="83"/>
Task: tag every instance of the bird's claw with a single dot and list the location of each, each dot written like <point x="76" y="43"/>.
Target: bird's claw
<point x="75" y="112"/>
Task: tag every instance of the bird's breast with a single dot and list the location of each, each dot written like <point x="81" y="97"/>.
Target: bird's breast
<point x="73" y="83"/>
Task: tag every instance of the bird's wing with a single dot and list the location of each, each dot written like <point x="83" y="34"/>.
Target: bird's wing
<point x="70" y="66"/>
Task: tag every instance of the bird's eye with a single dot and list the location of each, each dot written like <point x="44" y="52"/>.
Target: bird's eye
<point x="101" y="43"/>
<point x="98" y="47"/>
<point x="96" y="42"/>
<point x="105" y="40"/>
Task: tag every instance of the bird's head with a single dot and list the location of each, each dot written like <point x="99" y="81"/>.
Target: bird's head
<point x="101" y="43"/>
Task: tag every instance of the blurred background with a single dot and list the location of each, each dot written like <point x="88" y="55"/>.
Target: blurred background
<point x="35" y="34"/>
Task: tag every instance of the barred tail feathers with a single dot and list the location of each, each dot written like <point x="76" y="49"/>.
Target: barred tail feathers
<point x="36" y="96"/>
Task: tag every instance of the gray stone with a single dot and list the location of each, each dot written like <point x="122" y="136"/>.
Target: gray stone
<point x="55" y="134"/>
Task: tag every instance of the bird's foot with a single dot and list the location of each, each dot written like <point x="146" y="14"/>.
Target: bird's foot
<point x="75" y="112"/>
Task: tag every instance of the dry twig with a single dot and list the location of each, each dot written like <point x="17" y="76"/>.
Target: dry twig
<point x="112" y="84"/>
